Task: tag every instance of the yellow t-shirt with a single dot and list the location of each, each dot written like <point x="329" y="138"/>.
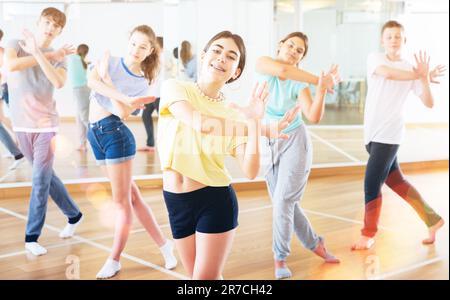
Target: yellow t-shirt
<point x="198" y="156"/>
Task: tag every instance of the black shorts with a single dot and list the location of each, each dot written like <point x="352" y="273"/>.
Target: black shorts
<point x="207" y="210"/>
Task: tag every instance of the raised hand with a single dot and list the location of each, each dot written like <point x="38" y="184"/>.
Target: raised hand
<point x="438" y="71"/>
<point x="257" y="105"/>
<point x="422" y="65"/>
<point x="29" y="43"/>
<point x="330" y="79"/>
<point x="274" y="130"/>
<point x="62" y="52"/>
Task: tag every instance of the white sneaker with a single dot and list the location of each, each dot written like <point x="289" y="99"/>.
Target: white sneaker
<point x="35" y="249"/>
<point x="16" y="163"/>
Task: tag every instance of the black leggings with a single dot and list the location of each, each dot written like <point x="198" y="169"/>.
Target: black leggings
<point x="148" y="121"/>
<point x="382" y="167"/>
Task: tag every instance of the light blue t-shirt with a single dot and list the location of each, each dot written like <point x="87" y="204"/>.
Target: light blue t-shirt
<point x="283" y="97"/>
<point x="75" y="71"/>
<point x="191" y="69"/>
<point x="125" y="82"/>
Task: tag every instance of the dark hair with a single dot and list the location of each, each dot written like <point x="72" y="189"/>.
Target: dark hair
<point x="239" y="43"/>
<point x="160" y="41"/>
<point x="82" y="51"/>
<point x="1" y="34"/>
<point x="300" y="35"/>
<point x="150" y="65"/>
<point x="186" y="52"/>
<point x="391" y="24"/>
<point x="175" y="52"/>
<point x="56" y="15"/>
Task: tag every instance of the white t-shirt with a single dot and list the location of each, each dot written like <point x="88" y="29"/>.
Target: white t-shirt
<point x="383" y="115"/>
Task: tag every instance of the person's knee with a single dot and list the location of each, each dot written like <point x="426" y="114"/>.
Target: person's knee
<point x="135" y="198"/>
<point x="371" y="195"/>
<point x="42" y="175"/>
<point x="121" y="199"/>
<point x="395" y="178"/>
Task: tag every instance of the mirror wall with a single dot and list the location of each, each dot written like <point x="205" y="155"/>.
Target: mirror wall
<point x="340" y="31"/>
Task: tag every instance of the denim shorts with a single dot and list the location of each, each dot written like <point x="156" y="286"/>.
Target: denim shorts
<point x="207" y="210"/>
<point x="111" y="141"/>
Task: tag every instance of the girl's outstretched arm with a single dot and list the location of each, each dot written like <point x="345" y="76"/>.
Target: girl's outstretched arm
<point x="270" y="66"/>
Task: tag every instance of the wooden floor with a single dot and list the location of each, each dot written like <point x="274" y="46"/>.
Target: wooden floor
<point x="334" y="205"/>
<point x="333" y="146"/>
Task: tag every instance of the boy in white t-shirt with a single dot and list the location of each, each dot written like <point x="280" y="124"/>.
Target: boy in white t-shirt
<point x="390" y="79"/>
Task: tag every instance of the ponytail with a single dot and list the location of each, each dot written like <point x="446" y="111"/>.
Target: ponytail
<point x="151" y="64"/>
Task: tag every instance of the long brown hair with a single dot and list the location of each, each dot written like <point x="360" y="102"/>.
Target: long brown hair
<point x="150" y="65"/>
<point x="82" y="51"/>
<point x="186" y="52"/>
<point x="300" y="35"/>
<point x="239" y="43"/>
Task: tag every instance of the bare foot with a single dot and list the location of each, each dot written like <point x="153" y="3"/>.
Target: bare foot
<point x="322" y="252"/>
<point x="432" y="231"/>
<point x="364" y="243"/>
<point x="147" y="149"/>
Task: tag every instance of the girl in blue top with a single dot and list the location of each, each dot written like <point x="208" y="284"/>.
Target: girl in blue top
<point x="288" y="161"/>
<point x="120" y="86"/>
<point x="189" y="61"/>
<point x="77" y="70"/>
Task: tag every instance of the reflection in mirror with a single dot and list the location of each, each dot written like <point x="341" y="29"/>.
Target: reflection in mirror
<point x="339" y="31"/>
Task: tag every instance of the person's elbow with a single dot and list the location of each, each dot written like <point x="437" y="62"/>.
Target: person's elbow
<point x="251" y="175"/>
<point x="315" y="118"/>
<point x="429" y="104"/>
<point x="252" y="172"/>
<point x="58" y="84"/>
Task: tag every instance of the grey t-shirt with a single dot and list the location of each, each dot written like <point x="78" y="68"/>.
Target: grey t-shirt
<point x="31" y="102"/>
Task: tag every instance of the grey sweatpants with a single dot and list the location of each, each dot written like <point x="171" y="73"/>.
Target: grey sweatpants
<point x="287" y="166"/>
<point x="81" y="95"/>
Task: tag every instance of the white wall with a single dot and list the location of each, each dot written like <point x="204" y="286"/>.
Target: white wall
<point x="200" y="20"/>
<point x="430" y="32"/>
<point x="337" y="40"/>
<point x="106" y="26"/>
<point x="320" y="27"/>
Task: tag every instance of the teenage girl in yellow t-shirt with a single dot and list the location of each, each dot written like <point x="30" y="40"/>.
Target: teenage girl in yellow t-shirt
<point x="196" y="131"/>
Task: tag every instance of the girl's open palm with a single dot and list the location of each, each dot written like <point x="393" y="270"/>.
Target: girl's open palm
<point x="257" y="105"/>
